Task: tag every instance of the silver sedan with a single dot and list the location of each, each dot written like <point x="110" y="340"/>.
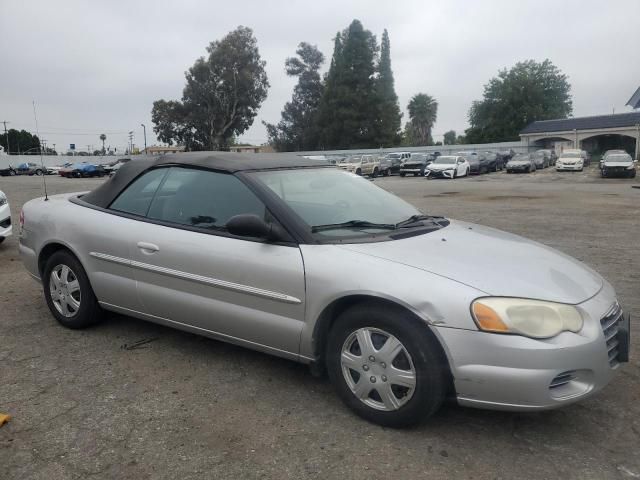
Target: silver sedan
<point x="303" y="260"/>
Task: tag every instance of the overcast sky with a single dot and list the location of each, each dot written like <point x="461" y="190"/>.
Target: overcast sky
<point x="96" y="67"/>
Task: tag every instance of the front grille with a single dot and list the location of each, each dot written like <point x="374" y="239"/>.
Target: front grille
<point x="610" y="329"/>
<point x="562" y="379"/>
<point x="5" y="223"/>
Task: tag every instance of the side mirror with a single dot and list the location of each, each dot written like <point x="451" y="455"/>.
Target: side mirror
<point x="250" y="225"/>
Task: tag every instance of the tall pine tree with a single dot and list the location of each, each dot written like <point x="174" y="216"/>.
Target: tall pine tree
<point x="297" y="130"/>
<point x="389" y="116"/>
<point x="349" y="108"/>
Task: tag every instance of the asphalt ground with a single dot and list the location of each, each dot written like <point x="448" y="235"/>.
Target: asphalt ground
<point x="96" y="404"/>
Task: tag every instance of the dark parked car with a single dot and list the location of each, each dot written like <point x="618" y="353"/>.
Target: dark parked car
<point x="390" y="164"/>
<point x="494" y="161"/>
<point x="82" y="170"/>
<point x="416" y="165"/>
<point x="618" y="164"/>
<point x="542" y="158"/>
<point x="475" y="167"/>
<point x="8" y="171"/>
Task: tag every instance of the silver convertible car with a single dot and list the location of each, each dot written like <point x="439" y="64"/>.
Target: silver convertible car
<point x="309" y="262"/>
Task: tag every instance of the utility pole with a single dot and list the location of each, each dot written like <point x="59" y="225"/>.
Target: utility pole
<point x="54" y="148"/>
<point x="144" y="129"/>
<point x="6" y="133"/>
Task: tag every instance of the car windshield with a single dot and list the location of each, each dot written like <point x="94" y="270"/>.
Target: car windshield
<point x="571" y="155"/>
<point x="521" y="158"/>
<point x="328" y="196"/>
<point x="445" y="160"/>
<point x="394" y="156"/>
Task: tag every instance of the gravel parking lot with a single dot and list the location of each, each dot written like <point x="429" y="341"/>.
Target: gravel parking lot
<point x="92" y="404"/>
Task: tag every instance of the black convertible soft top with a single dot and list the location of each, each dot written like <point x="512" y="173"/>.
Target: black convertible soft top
<point x="220" y="161"/>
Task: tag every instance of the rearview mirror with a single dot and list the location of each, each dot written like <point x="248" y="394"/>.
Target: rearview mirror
<point x="250" y="225"/>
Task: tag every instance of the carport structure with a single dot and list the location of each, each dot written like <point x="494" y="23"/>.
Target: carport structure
<point x="594" y="134"/>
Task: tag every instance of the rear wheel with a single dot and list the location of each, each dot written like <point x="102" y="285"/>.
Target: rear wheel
<point x="2" y="239"/>
<point x="386" y="365"/>
<point x="39" y="172"/>
<point x="68" y="292"/>
<point x="12" y="173"/>
<point x="375" y="172"/>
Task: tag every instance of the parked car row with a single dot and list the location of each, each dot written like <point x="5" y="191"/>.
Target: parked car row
<point x="69" y="170"/>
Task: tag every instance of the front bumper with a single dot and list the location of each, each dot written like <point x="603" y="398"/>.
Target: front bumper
<point x="519" y="168"/>
<point x="617" y="171"/>
<point x="411" y="170"/>
<point x="569" y="167"/>
<point x="511" y="372"/>
<point x="438" y="173"/>
<point x="5" y="221"/>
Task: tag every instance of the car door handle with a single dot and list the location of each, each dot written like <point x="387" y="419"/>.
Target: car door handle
<point x="148" y="247"/>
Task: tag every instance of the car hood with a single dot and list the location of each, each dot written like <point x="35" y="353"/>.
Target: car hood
<point x="618" y="164"/>
<point x="495" y="262"/>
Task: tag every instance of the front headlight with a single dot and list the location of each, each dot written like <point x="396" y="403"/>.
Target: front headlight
<point x="520" y="316"/>
<point x="630" y="167"/>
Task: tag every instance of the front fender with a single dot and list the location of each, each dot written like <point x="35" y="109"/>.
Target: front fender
<point x="332" y="273"/>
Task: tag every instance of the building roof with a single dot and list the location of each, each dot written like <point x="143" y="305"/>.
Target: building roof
<point x="634" y="101"/>
<point x="617" y="120"/>
<point x="220" y="161"/>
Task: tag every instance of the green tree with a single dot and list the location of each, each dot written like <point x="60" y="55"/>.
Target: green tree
<point x="423" y="112"/>
<point x="450" y="137"/>
<point x="103" y="137"/>
<point x="527" y="92"/>
<point x="20" y="141"/>
<point x="221" y="98"/>
<point x="297" y="130"/>
<point x="389" y="116"/>
<point x="349" y="106"/>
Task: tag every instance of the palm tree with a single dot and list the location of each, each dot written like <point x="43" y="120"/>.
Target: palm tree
<point x="423" y="111"/>
<point x="103" y="137"/>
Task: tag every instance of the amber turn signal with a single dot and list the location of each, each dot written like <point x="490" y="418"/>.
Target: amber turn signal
<point x="488" y="319"/>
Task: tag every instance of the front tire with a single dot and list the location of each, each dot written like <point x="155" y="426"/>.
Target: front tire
<point x="386" y="365"/>
<point x="68" y="292"/>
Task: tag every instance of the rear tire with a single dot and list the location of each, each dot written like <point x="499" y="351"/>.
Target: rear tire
<point x="417" y="362"/>
<point x="2" y="239"/>
<point x="68" y="292"/>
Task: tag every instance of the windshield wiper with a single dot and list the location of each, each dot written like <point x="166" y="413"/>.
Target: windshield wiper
<point x="416" y="221"/>
<point x="353" y="224"/>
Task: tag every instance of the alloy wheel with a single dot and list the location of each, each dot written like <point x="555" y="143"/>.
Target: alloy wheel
<point x="64" y="288"/>
<point x="378" y="369"/>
